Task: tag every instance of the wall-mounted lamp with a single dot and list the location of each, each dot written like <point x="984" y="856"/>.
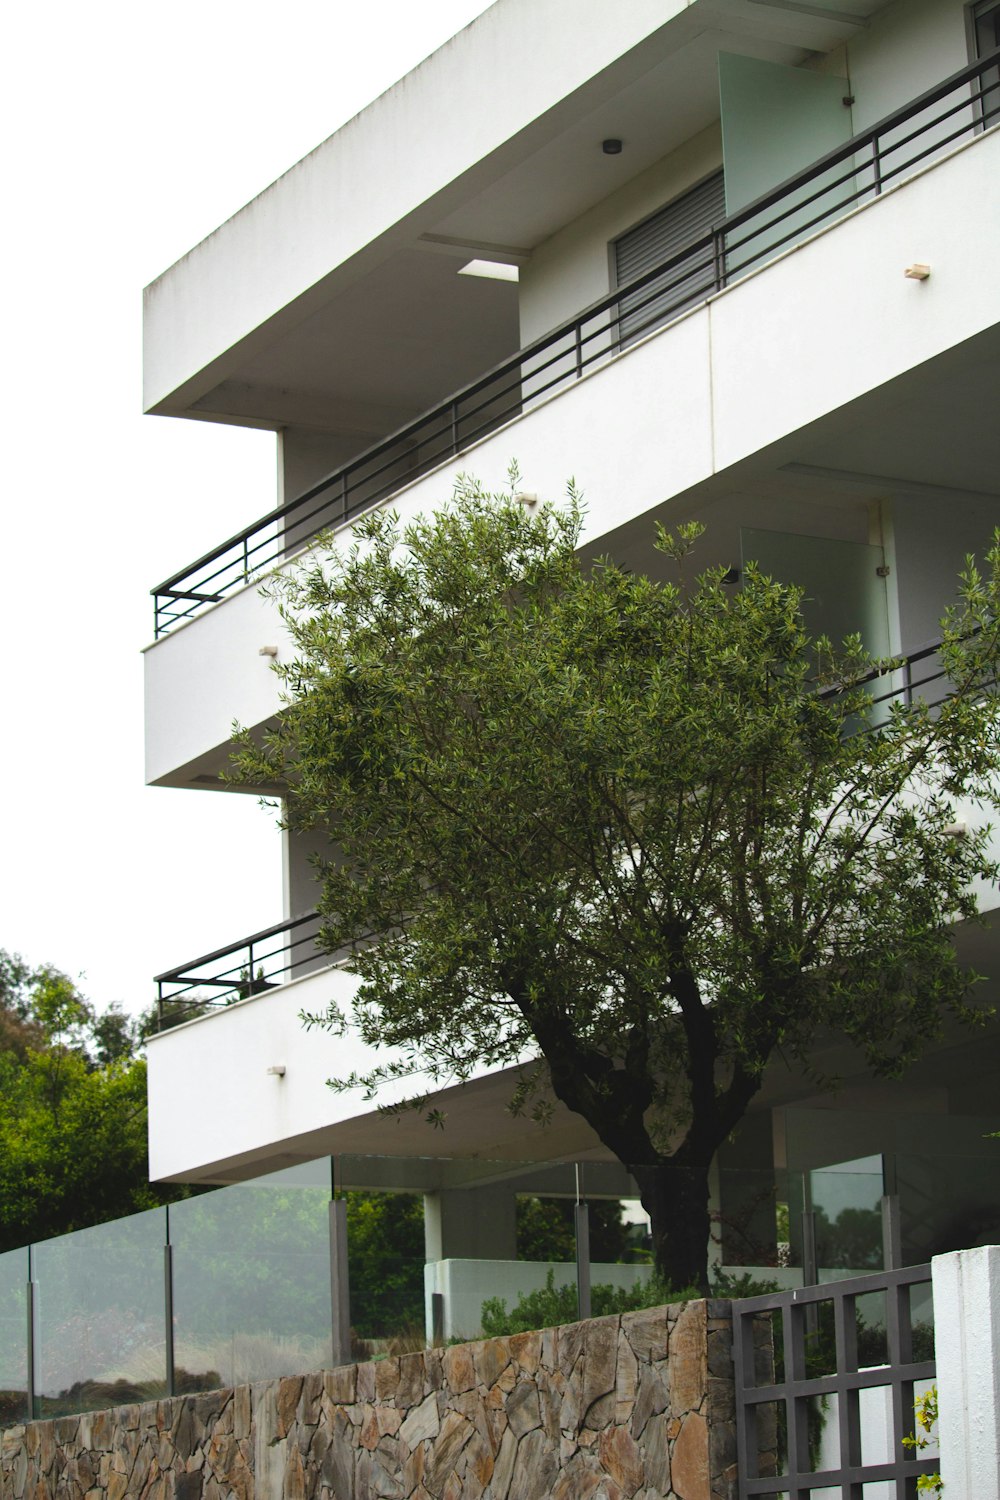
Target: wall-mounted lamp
<point x="270" y="651"/>
<point x="612" y="146"/>
<point x="955" y="830"/>
<point x="277" y="1071"/>
<point x="918" y="271"/>
<point x="525" y="497"/>
<point x="731" y="576"/>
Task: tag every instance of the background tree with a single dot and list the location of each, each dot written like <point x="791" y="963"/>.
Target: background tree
<point x="72" y="1109"/>
<point x="646" y="831"/>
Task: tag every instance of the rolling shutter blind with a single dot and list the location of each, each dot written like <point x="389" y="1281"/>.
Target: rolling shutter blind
<point x="657" y="239"/>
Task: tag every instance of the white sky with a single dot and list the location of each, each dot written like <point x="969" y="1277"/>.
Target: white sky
<point x="130" y="130"/>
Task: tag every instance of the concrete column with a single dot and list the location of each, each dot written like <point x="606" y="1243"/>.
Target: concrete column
<point x="470" y="1224"/>
<point x="478" y="1223"/>
<point x="967" y="1343"/>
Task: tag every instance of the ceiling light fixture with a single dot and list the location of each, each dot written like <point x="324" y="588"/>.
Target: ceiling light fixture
<point x="612" y="146"/>
<point x="491" y="270"/>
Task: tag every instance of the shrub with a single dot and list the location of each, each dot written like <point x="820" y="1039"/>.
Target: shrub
<point x="552" y="1305"/>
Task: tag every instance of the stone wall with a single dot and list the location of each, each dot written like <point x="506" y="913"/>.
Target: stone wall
<point x="637" y="1407"/>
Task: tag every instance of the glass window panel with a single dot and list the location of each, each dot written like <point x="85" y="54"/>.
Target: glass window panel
<point x="251" y="1268"/>
<point x="819" y="1333"/>
<point x="870" y="1318"/>
<point x="470" y="1245"/>
<point x="99" y="1303"/>
<point x="823" y="1418"/>
<point x="768" y="1452"/>
<point x="13" y="1337"/>
<point x="385" y="1234"/>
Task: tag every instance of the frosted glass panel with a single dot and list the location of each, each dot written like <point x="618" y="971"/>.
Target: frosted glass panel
<point x="251" y="1268"/>
<point x="843" y="592"/>
<point x="775" y="122"/>
<point x="13" y="1337"/>
<point x="99" y="1311"/>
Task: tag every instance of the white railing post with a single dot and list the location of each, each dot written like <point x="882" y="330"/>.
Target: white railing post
<point x="967" y="1352"/>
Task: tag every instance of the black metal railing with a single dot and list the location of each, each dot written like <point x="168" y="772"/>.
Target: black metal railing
<point x="247" y="967"/>
<point x="918" y="674"/>
<point x="854" y="173"/>
<point x="803" y="1360"/>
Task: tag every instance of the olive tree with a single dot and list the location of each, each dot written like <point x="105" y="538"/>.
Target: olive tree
<point x="646" y="832"/>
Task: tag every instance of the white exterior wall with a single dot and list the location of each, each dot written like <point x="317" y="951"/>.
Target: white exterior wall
<point x="907" y="48"/>
<point x="687" y="403"/>
<point x="931" y="540"/>
<point x="211" y="1098"/>
<point x="967" y="1349"/>
<point x="574" y="267"/>
<point x="207" y="673"/>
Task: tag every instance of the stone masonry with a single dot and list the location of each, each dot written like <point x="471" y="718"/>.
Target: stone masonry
<point x="637" y="1407"/>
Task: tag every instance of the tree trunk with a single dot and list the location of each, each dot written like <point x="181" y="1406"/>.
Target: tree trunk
<point x="675" y="1195"/>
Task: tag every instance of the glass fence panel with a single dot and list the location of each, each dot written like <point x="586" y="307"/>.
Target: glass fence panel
<point x="950" y="1198"/>
<point x="13" y="1337"/>
<point x="444" y="1248"/>
<point x="847" y="1209"/>
<point x="99" y="1316"/>
<point x="251" y="1275"/>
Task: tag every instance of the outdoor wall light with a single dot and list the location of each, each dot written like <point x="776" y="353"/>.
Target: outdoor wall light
<point x="525" y="497"/>
<point x="918" y="271"/>
<point x="731" y="576"/>
<point x="612" y="146"/>
<point x="270" y="651"/>
<point x="276" y="1071"/>
<point x="955" y="830"/>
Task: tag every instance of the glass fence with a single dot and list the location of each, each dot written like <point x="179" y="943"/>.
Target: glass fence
<point x="246" y="1282"/>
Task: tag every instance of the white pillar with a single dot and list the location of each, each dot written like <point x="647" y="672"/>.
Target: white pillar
<point x="967" y="1351"/>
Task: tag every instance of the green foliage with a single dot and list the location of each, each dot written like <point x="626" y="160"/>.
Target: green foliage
<point x="385" y="1238"/>
<point x="648" y="831"/>
<point x="545" y="1231"/>
<point x="552" y="1305"/>
<point x="926" y="1413"/>
<point x="72" y="1109"/>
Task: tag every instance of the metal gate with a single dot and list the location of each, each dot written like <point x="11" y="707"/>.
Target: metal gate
<point x="825" y="1380"/>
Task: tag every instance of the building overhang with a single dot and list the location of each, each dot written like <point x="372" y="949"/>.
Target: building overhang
<point x="220" y="1112"/>
<point x="332" y="300"/>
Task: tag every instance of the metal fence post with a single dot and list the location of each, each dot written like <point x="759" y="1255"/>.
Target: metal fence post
<point x="581" y="1225"/>
<point x="168" y="1302"/>
<point x="437" y="1319"/>
<point x="340" y="1294"/>
<point x="892" y="1235"/>
<point x="30" y="1336"/>
<point x="810" y="1267"/>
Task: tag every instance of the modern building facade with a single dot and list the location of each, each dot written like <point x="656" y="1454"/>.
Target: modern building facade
<point x="725" y="259"/>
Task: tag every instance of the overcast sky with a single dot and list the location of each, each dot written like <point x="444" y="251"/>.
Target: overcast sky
<point x="130" y="131"/>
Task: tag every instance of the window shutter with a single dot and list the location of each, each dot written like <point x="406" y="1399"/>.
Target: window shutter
<point x="657" y="239"/>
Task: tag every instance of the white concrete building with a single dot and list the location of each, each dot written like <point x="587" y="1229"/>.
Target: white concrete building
<point x="814" y="374"/>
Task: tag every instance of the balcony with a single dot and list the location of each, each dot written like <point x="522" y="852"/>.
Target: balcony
<point x="236" y="1079"/>
<point x="863" y="169"/>
<point x="817" y="383"/>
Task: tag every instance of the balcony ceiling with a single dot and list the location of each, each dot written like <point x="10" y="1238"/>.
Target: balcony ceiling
<point x="392" y="329"/>
<point x="931" y="433"/>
